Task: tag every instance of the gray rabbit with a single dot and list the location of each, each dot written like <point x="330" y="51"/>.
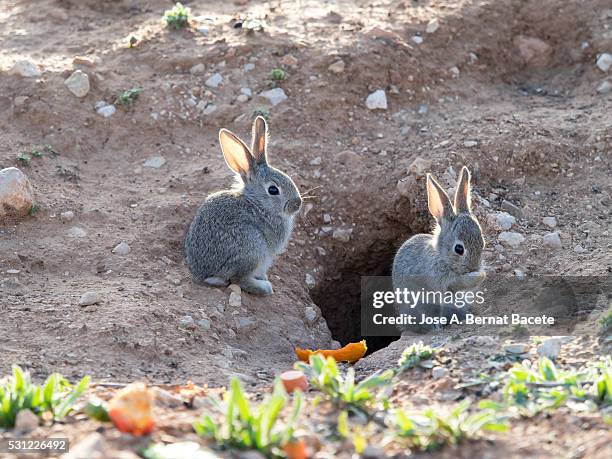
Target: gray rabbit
<point x="449" y="260"/>
<point x="237" y="233"/>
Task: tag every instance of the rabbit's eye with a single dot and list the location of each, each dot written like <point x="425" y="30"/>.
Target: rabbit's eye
<point x="273" y="190"/>
<point x="459" y="250"/>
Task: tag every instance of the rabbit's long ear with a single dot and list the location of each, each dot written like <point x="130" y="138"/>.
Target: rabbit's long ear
<point x="438" y="201"/>
<point x="463" y="200"/>
<point x="260" y="140"/>
<point x="236" y="153"/>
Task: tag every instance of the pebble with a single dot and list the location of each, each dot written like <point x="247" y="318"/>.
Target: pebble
<point x="155" y="162"/>
<point x="16" y="193"/>
<point x="165" y="398"/>
<point x="275" y="96"/>
<point x="246" y="91"/>
<point x="106" y="111"/>
<point x="406" y="186"/>
<point x="78" y="83"/>
<point x="83" y="60"/>
<point x="235" y="299"/>
<point x="377" y="100"/>
<point x="76" y="232"/>
<point x="203" y="30"/>
<point x="373" y="452"/>
<point x="20" y="100"/>
<point x="552" y="241"/>
<point x="419" y="167"/>
<point x="550" y="348"/>
<point x="122" y="249"/>
<point x="248" y="67"/>
<point x="417" y="39"/>
<point x="310" y="314"/>
<point x="502" y="221"/>
<point x="214" y="80"/>
<point x="242" y="98"/>
<point x="604" y="62"/>
<point x="604" y="87"/>
<point x="89" y="298"/>
<point x="512" y="209"/>
<point x="242" y="323"/>
<point x="512" y="239"/>
<point x="188" y="322"/>
<point x="432" y="26"/>
<point x="439" y="372"/>
<point x="92" y="446"/>
<point x="551" y="222"/>
<point x="423" y="109"/>
<point x="470" y="143"/>
<point x="209" y="110"/>
<point x="347" y="157"/>
<point x="516" y="348"/>
<point x="197" y="69"/>
<point x="310" y="280"/>
<point x="343" y="235"/>
<point x="26" y="421"/>
<point x="579" y="249"/>
<point x="26" y="69"/>
<point x="315" y="161"/>
<point x="337" y="67"/>
<point x="204" y="324"/>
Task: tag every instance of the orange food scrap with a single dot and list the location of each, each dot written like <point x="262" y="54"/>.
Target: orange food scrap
<point x="296" y="449"/>
<point x="131" y="410"/>
<point x="294" y="380"/>
<point x="349" y="353"/>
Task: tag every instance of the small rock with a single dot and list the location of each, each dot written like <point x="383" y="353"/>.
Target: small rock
<point x="204" y="324"/>
<point x="246" y="91"/>
<point x="248" y="67"/>
<point x="76" y="232"/>
<point x="214" y="81"/>
<point x="604" y="62"/>
<point x="432" y="26"/>
<point x="235" y="288"/>
<point x="579" y="249"/>
<point x="92" y="446"/>
<point x="89" y="298"/>
<point x="155" y="162"/>
<point x="406" y="186"/>
<point x="552" y="241"/>
<point x="604" y="87"/>
<point x="501" y="221"/>
<point x="188" y="322"/>
<point x="516" y="348"/>
<point x="310" y="314"/>
<point x="377" y="100"/>
<point x="423" y="109"/>
<point x="209" y="110"/>
<point x="242" y="323"/>
<point x="16" y="193"/>
<point x="203" y="30"/>
<point x="337" y="67"/>
<point x="419" y="166"/>
<point x="198" y="69"/>
<point x="235" y="299"/>
<point x="439" y="372"/>
<point x="470" y="143"/>
<point x="512" y="239"/>
<point x="310" y="280"/>
<point x="106" y="111"/>
<point x="512" y="209"/>
<point x="122" y="249"/>
<point x="26" y="69"/>
<point x="289" y="60"/>
<point x="534" y="52"/>
<point x="315" y="161"/>
<point x="417" y="39"/>
<point x="347" y="157"/>
<point x="242" y="98"/>
<point x="19" y="101"/>
<point x="275" y="96"/>
<point x="165" y="398"/>
<point x="343" y="235"/>
<point x="78" y="83"/>
<point x="550" y="348"/>
<point x="456" y="72"/>
<point x="83" y="60"/>
<point x="373" y="452"/>
<point x="551" y="222"/>
<point x="26" y="421"/>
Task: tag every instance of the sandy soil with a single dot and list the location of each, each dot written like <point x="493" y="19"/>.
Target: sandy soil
<point x="536" y="134"/>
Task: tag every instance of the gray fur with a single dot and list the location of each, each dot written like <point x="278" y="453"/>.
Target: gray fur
<point x="236" y="234"/>
<point x="429" y="261"/>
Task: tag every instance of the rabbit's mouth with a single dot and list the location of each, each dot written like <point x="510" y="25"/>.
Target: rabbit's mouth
<point x="293" y="205"/>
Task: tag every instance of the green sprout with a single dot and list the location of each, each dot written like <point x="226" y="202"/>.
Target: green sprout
<point x="416" y="354"/>
<point x="129" y="96"/>
<point x="24" y="159"/>
<point x="177" y="17"/>
<point x="278" y="75"/>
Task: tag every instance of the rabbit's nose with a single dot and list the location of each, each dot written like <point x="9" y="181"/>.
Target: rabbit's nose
<point x="293" y="205"/>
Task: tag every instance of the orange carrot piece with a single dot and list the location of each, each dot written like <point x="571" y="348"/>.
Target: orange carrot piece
<point x="349" y="353"/>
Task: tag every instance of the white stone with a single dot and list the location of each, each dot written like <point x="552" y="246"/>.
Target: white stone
<point x="106" y="111"/>
<point x="235" y="299"/>
<point x="197" y="69"/>
<point x="343" y="235"/>
<point x="551" y="222"/>
<point x="16" y="193"/>
<point x="501" y="221"/>
<point x="188" y="322"/>
<point x="122" y="249"/>
<point x="417" y="39"/>
<point x="275" y="96"/>
<point x="310" y="280"/>
<point x="604" y="62"/>
<point x="470" y="143"/>
<point x="579" y="249"/>
<point x="214" y="80"/>
<point x="550" y="348"/>
<point x="26" y="421"/>
<point x="552" y="241"/>
<point x="203" y="30"/>
<point x="242" y="98"/>
<point x="377" y="100"/>
<point x="67" y="216"/>
<point x="248" y="67"/>
<point x="517" y="348"/>
<point x="26" y="69"/>
<point x="315" y="161"/>
<point x="246" y="91"/>
<point x="76" y="232"/>
<point x="439" y="372"/>
<point x="209" y="110"/>
<point x="604" y="87"/>
<point x="78" y="83"/>
<point x="155" y="162"/>
<point x="89" y="298"/>
<point x="337" y="67"/>
<point x="512" y="239"/>
<point x="432" y="26"/>
<point x="310" y="314"/>
<point x="92" y="446"/>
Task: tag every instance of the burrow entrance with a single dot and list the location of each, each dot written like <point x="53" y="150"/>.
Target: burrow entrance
<point x="338" y="294"/>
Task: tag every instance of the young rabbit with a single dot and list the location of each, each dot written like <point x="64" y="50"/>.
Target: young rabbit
<point x="237" y="233"/>
<point x="449" y="260"/>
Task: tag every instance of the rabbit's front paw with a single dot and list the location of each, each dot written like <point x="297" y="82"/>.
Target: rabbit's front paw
<point x="476" y="277"/>
<point x="257" y="286"/>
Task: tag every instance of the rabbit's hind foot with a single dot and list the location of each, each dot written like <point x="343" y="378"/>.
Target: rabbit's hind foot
<point x="216" y="282"/>
<point x="256" y="286"/>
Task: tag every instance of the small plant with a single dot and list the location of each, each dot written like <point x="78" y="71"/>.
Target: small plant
<point x="36" y="153"/>
<point x="606" y="321"/>
<point x="56" y="396"/>
<point x="177" y="17"/>
<point x="278" y="75"/>
<point x="431" y="430"/>
<point x="129" y="96"/>
<point x="24" y="159"/>
<point x="343" y="390"/>
<point x="34" y="209"/>
<point x="416" y="354"/>
<point x="247" y="427"/>
<point x="265" y="114"/>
